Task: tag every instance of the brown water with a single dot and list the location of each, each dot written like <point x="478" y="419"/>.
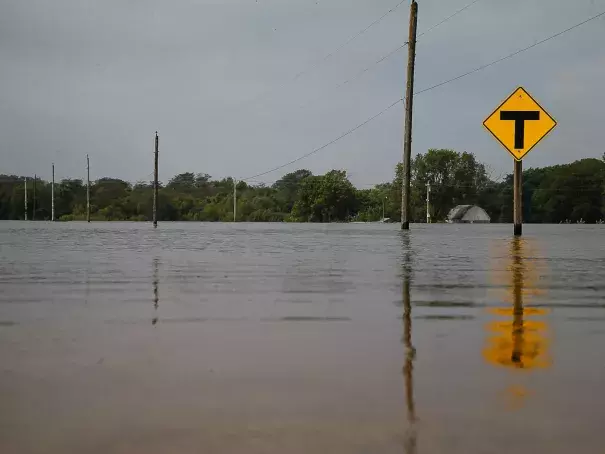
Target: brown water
<point x="266" y="338"/>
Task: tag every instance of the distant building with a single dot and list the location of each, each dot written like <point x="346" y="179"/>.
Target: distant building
<point x="468" y="214"/>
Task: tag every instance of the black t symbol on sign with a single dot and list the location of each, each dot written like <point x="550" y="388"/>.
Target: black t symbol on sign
<point x="519" y="117"/>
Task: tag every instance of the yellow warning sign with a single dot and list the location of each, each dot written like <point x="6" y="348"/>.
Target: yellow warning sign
<point x="519" y="123"/>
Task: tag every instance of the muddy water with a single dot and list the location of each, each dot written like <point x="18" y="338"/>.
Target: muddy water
<point x="266" y="338"/>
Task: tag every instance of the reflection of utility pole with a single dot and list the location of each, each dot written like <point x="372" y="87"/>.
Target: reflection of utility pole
<point x="156" y="297"/>
<point x="408" y="367"/>
<point x="517" y="350"/>
<point x="410" y="355"/>
<point x="428" y="203"/>
<point x="407" y="341"/>
<point x="407" y="135"/>
<point x="26" y="198"/>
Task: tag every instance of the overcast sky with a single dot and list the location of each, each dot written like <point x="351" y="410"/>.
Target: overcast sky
<point x="215" y="78"/>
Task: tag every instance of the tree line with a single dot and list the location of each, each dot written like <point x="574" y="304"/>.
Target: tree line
<point x="572" y="192"/>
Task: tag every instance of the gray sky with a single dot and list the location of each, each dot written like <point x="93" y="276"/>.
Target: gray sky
<point x="100" y="77"/>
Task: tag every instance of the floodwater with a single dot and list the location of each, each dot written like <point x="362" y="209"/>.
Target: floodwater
<point x="271" y="338"/>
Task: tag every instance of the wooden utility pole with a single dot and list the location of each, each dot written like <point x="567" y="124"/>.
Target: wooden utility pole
<point x="234" y="200"/>
<point x="518" y="209"/>
<point x="26" y="198"/>
<point x="52" y="196"/>
<point x="155" y="181"/>
<point x="409" y="100"/>
<point x="87" y="189"/>
<point x="428" y="203"/>
<point x="34" y="200"/>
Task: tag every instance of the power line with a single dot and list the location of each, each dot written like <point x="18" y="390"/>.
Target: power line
<point x="394" y="51"/>
<point x="380" y="60"/>
<point x="325" y="145"/>
<point x="448" y="18"/>
<point x="353" y="38"/>
<point x="330" y="54"/>
<point x="149" y="175"/>
<point x="359" y="74"/>
<point x="363" y="71"/>
<point x="482" y="67"/>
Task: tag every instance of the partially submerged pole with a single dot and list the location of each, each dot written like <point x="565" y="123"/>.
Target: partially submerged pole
<point x="87" y="189"/>
<point x="428" y="203"/>
<point x="34" y="200"/>
<point x="518" y="208"/>
<point x="155" y="181"/>
<point x="26" y="198"/>
<point x="52" y="196"/>
<point x="407" y="138"/>
<point x="234" y="200"/>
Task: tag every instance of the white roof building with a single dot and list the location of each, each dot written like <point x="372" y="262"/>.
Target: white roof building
<point x="468" y="214"/>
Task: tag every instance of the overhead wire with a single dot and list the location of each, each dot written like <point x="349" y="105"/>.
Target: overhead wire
<point x="480" y="68"/>
<point x="511" y="55"/>
<point x="146" y="180"/>
<point x="448" y="18"/>
<point x="316" y="150"/>
<point x="330" y="54"/>
<point x="359" y="74"/>
<point x="394" y="51"/>
<point x="326" y="57"/>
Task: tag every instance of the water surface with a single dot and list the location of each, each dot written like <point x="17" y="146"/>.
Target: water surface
<point x="271" y="338"/>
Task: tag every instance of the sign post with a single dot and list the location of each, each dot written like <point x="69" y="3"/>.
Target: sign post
<point x="519" y="123"/>
<point x="517" y="194"/>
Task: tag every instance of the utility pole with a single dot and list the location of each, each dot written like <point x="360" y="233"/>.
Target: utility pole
<point x="34" y="201"/>
<point x="383" y="202"/>
<point x="409" y="100"/>
<point x="428" y="203"/>
<point x="87" y="189"/>
<point x="155" y="181"/>
<point x="518" y="210"/>
<point x="26" y="198"/>
<point x="52" y="196"/>
<point x="234" y="200"/>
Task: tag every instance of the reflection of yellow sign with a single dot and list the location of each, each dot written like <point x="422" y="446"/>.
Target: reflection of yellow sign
<point x="517" y="340"/>
<point x="515" y="265"/>
<point x="521" y="344"/>
<point x="516" y="395"/>
<point x="519" y="123"/>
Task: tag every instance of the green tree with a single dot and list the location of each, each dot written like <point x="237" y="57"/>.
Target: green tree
<point x="287" y="187"/>
<point x="455" y="179"/>
<point x="326" y="198"/>
<point x="573" y="192"/>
